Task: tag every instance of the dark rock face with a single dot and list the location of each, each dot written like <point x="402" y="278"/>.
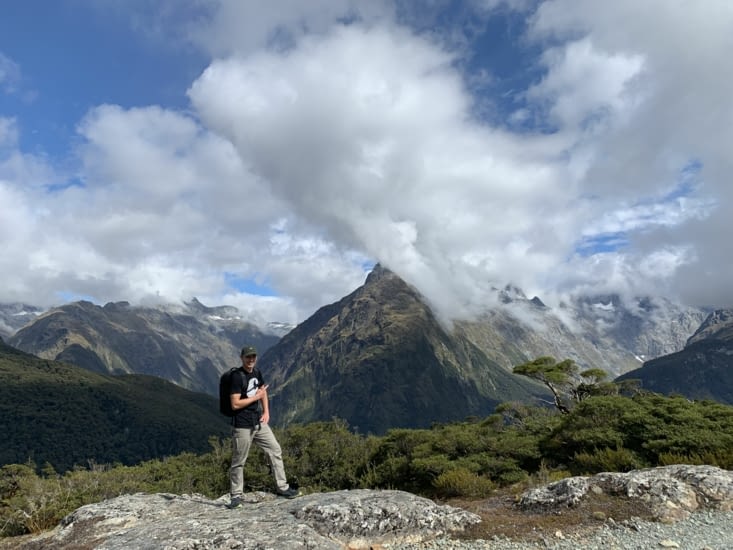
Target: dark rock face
<point x="702" y="370"/>
<point x="189" y="346"/>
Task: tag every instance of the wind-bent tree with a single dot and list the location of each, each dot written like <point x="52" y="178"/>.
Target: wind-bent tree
<point x="564" y="380"/>
<point x="558" y="377"/>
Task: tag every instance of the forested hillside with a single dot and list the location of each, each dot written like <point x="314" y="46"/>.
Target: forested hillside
<point x="56" y="413"/>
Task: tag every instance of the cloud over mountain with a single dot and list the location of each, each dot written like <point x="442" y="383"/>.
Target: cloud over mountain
<point x="558" y="145"/>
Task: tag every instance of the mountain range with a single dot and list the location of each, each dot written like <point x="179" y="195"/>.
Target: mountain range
<point x="378" y="358"/>
<point x="596" y="332"/>
<point x="189" y="345"/>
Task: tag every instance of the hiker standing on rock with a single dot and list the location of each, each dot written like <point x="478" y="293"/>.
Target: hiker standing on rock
<point x="250" y="424"/>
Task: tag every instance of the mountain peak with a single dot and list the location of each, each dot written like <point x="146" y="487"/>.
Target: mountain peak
<point x="380" y="359"/>
<point x="195" y="306"/>
<point x="377" y="273"/>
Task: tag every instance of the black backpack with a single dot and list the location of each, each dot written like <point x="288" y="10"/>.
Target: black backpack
<point x="225" y="387"/>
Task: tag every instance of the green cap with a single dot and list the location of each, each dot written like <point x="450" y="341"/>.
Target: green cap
<point x="248" y="350"/>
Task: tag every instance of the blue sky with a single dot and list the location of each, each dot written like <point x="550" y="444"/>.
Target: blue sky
<point x="72" y="55"/>
<point x="267" y="155"/>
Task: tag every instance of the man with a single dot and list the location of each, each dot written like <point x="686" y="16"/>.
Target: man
<point x="250" y="424"/>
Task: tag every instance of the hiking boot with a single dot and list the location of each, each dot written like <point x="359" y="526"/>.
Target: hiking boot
<point x="236" y="502"/>
<point x="288" y="493"/>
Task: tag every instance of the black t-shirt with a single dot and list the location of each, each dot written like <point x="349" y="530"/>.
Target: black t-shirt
<point x="245" y="384"/>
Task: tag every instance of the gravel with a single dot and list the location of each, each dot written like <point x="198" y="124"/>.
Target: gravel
<point x="704" y="530"/>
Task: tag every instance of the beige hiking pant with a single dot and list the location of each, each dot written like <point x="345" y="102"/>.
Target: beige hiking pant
<point x="242" y="439"/>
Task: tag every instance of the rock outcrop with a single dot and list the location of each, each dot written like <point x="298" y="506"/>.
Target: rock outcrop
<point x="343" y="519"/>
<point x="672" y="492"/>
<point x="359" y="519"/>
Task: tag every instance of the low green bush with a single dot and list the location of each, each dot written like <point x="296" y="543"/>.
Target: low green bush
<point x="461" y="482"/>
<point x="721" y="459"/>
<point x="605" y="460"/>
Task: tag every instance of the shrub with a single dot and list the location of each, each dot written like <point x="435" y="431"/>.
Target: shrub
<point x="461" y="482"/>
<point x="325" y="455"/>
<point x="721" y="459"/>
<point x="31" y="503"/>
<point x="687" y="428"/>
<point x="596" y="423"/>
<point x="605" y="460"/>
<point x="510" y="476"/>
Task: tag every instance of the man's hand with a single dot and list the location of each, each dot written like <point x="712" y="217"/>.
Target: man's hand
<point x="261" y="392"/>
<point x="265" y="418"/>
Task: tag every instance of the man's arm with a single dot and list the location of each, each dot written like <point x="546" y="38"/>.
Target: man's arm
<point x="239" y="402"/>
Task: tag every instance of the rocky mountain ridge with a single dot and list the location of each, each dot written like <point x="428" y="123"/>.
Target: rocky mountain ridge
<point x="596" y="332"/>
<point x="703" y="369"/>
<point x="717" y="326"/>
<point x="379" y="358"/>
<point x="189" y="345"/>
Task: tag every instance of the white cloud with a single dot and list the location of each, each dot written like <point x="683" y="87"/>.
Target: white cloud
<point x="684" y="116"/>
<point x="8" y="134"/>
<point x="315" y="147"/>
<point x="164" y="210"/>
<point x="383" y="155"/>
<point x="586" y="87"/>
<point x="15" y="238"/>
<point x="642" y="217"/>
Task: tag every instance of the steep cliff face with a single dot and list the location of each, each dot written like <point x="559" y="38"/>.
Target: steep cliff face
<point x="379" y="359"/>
<point x="189" y="346"/>
<point x="600" y="332"/>
<point x="702" y="370"/>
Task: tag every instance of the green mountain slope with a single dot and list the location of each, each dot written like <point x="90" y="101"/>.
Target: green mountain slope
<point x="65" y="415"/>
